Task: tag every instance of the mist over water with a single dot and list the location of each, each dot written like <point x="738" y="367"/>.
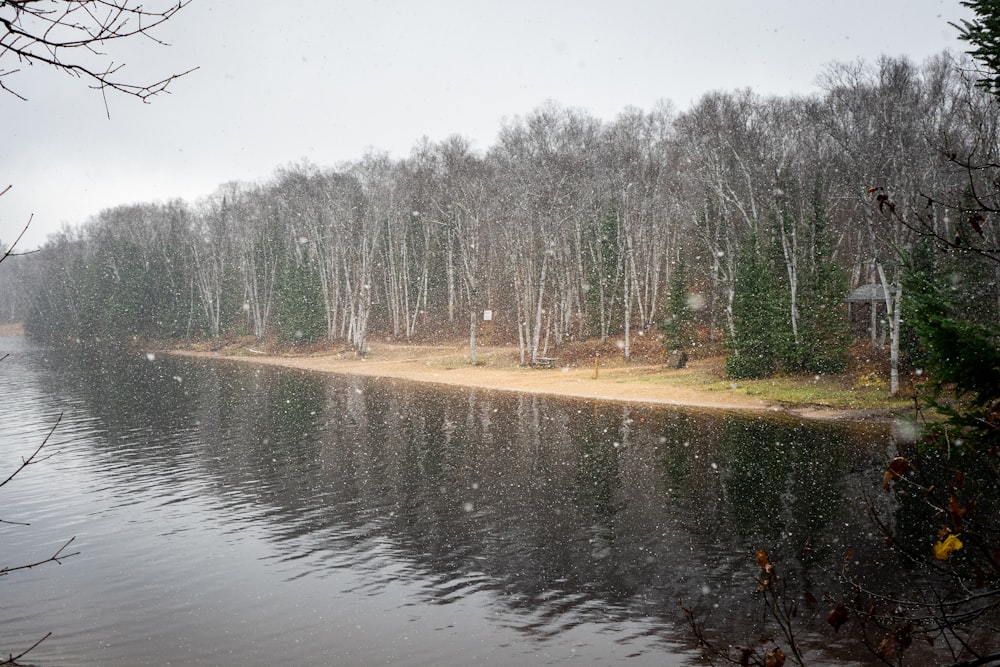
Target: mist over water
<point x="228" y="514"/>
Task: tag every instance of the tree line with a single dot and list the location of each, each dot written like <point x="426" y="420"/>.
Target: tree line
<point x="763" y="212"/>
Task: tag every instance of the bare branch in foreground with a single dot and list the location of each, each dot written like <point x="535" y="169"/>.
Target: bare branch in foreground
<point x="34" y="458"/>
<point x="12" y="659"/>
<point x="58" y="557"/>
<point x="68" y="35"/>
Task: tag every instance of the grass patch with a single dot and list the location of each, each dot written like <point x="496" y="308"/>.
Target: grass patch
<point x="829" y="391"/>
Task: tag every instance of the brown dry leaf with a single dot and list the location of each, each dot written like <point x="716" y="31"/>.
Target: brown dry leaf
<point x="837" y="616"/>
<point x="887" y="647"/>
<point x="905" y="635"/>
<point x="975" y="221"/>
<point x="896" y="641"/>
<point x="896" y="469"/>
<point x="775" y="658"/>
<point x="765" y="564"/>
<point x="957" y="512"/>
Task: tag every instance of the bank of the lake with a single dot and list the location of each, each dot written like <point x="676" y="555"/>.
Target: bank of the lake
<point x="699" y="385"/>
<point x="12" y="329"/>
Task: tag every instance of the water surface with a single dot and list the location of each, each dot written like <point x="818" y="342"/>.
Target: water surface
<point x="230" y="514"/>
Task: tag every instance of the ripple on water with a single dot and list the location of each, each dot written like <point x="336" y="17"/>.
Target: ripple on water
<point x="259" y="516"/>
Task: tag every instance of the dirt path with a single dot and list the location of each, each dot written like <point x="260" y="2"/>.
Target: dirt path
<point x="448" y="365"/>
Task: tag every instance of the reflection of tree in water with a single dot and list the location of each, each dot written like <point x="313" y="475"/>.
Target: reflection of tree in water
<point x="676" y="435"/>
<point x="598" y="478"/>
<point x="783" y="483"/>
<point x="294" y="415"/>
<point x="143" y="408"/>
<point x="566" y="512"/>
<point x="121" y="387"/>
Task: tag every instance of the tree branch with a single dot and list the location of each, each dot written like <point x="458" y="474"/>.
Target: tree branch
<point x="57" y="557"/>
<point x="34" y="458"/>
<point x="63" y="34"/>
<point x="12" y="659"/>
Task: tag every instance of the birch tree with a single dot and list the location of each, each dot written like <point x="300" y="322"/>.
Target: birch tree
<point x="464" y="205"/>
<point x="721" y="145"/>
<point x="212" y="249"/>
<point x="361" y="246"/>
<point x="261" y="244"/>
<point x="637" y="164"/>
<point x="536" y="198"/>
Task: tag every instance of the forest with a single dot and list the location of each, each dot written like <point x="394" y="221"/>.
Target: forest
<point x="742" y="219"/>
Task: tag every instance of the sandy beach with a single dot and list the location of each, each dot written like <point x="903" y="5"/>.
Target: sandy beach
<point x="498" y="370"/>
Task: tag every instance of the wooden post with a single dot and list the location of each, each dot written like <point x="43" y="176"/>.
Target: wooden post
<point x="596" y="356"/>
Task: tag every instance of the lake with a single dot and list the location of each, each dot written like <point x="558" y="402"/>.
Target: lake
<point x="233" y="514"/>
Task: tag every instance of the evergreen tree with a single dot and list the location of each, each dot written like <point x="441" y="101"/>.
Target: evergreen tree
<point x="959" y="353"/>
<point x="824" y="332"/>
<point x="962" y="347"/>
<point x="983" y="35"/>
<point x="922" y="260"/>
<point x="753" y="345"/>
<point x="678" y="324"/>
<point x="301" y="317"/>
<point x="604" y="267"/>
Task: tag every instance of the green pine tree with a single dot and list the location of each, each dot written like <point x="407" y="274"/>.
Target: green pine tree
<point x="678" y="324"/>
<point x="959" y="341"/>
<point x="753" y="345"/>
<point x="300" y="315"/>
<point x="983" y="36"/>
<point x="959" y="353"/>
<point x="824" y="332"/>
<point x="603" y="286"/>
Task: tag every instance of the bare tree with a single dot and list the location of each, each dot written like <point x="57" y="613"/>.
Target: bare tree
<point x="70" y="35"/>
<point x="635" y="162"/>
<point x="723" y="153"/>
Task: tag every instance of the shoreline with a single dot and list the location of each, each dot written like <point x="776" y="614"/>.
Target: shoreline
<point x="449" y="366"/>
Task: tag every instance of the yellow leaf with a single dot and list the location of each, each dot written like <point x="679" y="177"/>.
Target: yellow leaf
<point x="943" y="548"/>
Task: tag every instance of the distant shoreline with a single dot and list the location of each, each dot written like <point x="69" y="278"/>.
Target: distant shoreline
<point x="447" y="365"/>
<point x="14" y="329"/>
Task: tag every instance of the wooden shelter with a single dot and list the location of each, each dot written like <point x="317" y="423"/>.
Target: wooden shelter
<point x="872" y="298"/>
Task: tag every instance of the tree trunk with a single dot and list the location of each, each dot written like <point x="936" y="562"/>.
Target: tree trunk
<point x="893" y="307"/>
<point x="472" y="337"/>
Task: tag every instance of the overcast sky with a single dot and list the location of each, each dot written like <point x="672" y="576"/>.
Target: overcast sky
<point x="326" y="80"/>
